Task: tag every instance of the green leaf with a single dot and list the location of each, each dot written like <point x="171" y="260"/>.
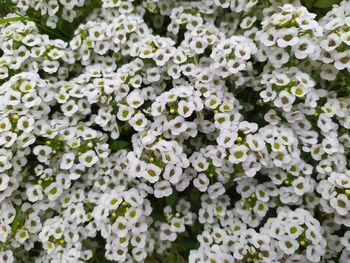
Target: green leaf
<point x="230" y="182"/>
<point x="196" y="230"/>
<point x="175" y="258"/>
<point x="308" y="3"/>
<point x="158" y="216"/>
<point x="15" y="221"/>
<point x="118" y="145"/>
<point x="248" y="106"/>
<point x="195" y="198"/>
<point x="185" y="234"/>
<point x="189" y="245"/>
<point x="6" y="7"/>
<point x="12" y="19"/>
<point x="325" y="3"/>
<point x="171" y="199"/>
<point x="172" y="259"/>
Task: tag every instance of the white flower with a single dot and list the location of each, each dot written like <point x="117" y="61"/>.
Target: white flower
<point x="287" y="37"/>
<point x="4" y="180"/>
<point x="162" y="189"/>
<point x="69" y="108"/>
<point x="328" y="72"/>
<point x="67" y="161"/>
<point x="201" y="182"/>
<point x="314" y="253"/>
<point x="7" y="256"/>
<point x="331" y="43"/>
<point x="269" y="37"/>
<point x="278" y="57"/>
<point x="260" y="209"/>
<point x="53" y="191"/>
<point x="152" y="173"/>
<point x="25" y="124"/>
<point x="12" y="97"/>
<point x="342" y="60"/>
<point x="166" y="233"/>
<point x="330" y="145"/>
<point x="288" y="245"/>
<point x="177" y="225"/>
<point x="134" y="99"/>
<point x="185" y="109"/>
<point x="50" y="66"/>
<point x="43" y="152"/>
<point x="216" y="190"/>
<point x="34" y="193"/>
<point x="172" y="173"/>
<point x="125" y="113"/>
<point x="22" y="236"/>
<point x="304" y="48"/>
<point x="284" y="100"/>
<point x="88" y="158"/>
<point x="238" y="154"/>
<point x="345" y="240"/>
<point x="138" y="122"/>
<point x="341" y="204"/>
<point x="255" y="142"/>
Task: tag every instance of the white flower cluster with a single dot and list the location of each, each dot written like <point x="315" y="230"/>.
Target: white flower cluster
<point x="52" y="11"/>
<point x="167" y="130"/>
<point x="292" y="236"/>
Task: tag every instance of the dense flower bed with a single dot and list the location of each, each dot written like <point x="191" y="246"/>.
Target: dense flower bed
<point x="174" y="131"/>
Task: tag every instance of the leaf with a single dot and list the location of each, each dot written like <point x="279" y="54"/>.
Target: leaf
<point x="171" y="199"/>
<point x="325" y="3"/>
<point x="185" y="234"/>
<point x="172" y="259"/>
<point x="12" y="19"/>
<point x="175" y="258"/>
<point x="231" y="182"/>
<point x="6" y="7"/>
<point x="189" y="245"/>
<point x="248" y="106"/>
<point x="158" y="216"/>
<point x="118" y="145"/>
<point x="69" y="28"/>
<point x="308" y="3"/>
<point x="194" y="198"/>
<point x="15" y="221"/>
<point x="196" y="229"/>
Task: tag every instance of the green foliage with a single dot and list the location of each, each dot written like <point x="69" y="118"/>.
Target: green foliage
<point x="5" y="7"/>
<point x="319" y="6"/>
<point x="12" y="19"/>
<point x="15" y="221"/>
<point x="117" y="145"/>
<point x="68" y="28"/>
<point x="194" y="198"/>
<point x="64" y="30"/>
<point x="171" y="199"/>
<point x="325" y="3"/>
<point x="99" y="256"/>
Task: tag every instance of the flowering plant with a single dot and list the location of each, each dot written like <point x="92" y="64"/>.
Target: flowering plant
<point x="174" y="131"/>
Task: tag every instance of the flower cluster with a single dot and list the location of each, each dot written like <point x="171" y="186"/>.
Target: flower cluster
<point x="289" y="31"/>
<point x="336" y="40"/>
<point x="174" y="131"/>
<point x="52" y="11"/>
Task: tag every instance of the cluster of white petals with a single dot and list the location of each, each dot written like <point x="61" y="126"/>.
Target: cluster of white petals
<point x="174" y="131"/>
